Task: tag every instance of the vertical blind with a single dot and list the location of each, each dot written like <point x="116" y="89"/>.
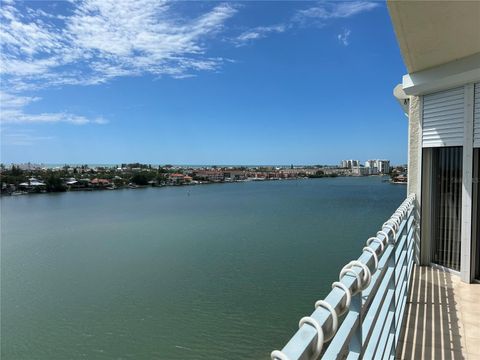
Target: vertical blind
<point x="476" y="213"/>
<point x="476" y="116"/>
<point x="446" y="206"/>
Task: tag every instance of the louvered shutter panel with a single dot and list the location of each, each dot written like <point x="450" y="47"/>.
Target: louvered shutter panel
<point x="443" y="118"/>
<point x="476" y="116"/>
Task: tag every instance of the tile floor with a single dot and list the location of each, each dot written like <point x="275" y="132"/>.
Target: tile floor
<point x="442" y="318"/>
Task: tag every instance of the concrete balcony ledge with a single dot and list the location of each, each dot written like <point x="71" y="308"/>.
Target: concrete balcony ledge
<point x="442" y="318"/>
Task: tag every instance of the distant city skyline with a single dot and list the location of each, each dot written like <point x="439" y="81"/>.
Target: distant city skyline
<point x="199" y="83"/>
<point x="27" y="165"/>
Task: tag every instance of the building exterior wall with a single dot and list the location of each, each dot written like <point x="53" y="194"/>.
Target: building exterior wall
<point x="414" y="145"/>
<point x="415" y="169"/>
<point x="440" y="90"/>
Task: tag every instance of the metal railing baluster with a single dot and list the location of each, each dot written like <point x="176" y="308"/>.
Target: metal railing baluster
<point x="371" y="295"/>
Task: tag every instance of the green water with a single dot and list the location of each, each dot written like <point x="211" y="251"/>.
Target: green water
<point x="208" y="272"/>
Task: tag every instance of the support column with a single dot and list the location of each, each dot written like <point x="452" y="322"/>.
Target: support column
<point x="415" y="170"/>
<point x="466" y="232"/>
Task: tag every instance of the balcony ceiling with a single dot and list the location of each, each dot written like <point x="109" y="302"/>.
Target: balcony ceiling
<point x="432" y="33"/>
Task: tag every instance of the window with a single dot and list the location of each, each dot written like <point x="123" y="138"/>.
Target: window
<point x="442" y="204"/>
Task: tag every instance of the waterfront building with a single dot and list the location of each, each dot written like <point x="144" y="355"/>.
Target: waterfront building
<point x="289" y="173"/>
<point x="32" y="184"/>
<point x="176" y="179"/>
<point x="100" y="183"/>
<point x="359" y="170"/>
<point x="349" y="164"/>
<point x="235" y="175"/>
<point x="377" y="166"/>
<point x="80" y="184"/>
<point x="413" y="292"/>
<point x="208" y="175"/>
<point x="383" y="166"/>
<point x="372" y="167"/>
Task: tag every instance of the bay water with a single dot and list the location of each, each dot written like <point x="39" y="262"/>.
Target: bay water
<point x="221" y="271"/>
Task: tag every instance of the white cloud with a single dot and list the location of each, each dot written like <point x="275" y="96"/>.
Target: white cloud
<point x="324" y="11"/>
<point x="258" y="33"/>
<point x="23" y="139"/>
<point x="104" y="39"/>
<point x="94" y="42"/>
<point x="10" y="101"/>
<point x="343" y="37"/>
<point x="317" y="15"/>
<point x="12" y="112"/>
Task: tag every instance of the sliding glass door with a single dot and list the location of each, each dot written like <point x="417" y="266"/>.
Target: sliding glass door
<point x="442" y="204"/>
<point x="476" y="215"/>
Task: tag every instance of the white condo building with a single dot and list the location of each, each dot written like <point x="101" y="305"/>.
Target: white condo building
<point x="349" y="164"/>
<point x="377" y="166"/>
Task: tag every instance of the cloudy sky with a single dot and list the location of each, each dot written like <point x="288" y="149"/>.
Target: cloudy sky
<point x="110" y="81"/>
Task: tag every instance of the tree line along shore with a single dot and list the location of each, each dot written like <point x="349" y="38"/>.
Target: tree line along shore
<point x="20" y="180"/>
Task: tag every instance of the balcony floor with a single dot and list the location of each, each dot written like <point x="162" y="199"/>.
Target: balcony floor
<point x="442" y="318"/>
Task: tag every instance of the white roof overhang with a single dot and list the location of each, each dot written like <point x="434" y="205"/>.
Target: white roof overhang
<point x="439" y="42"/>
<point x="443" y="77"/>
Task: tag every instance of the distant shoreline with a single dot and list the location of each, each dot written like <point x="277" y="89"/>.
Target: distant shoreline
<point x="189" y="185"/>
<point x="30" y="178"/>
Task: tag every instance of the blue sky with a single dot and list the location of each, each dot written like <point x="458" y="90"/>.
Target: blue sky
<point x="107" y="81"/>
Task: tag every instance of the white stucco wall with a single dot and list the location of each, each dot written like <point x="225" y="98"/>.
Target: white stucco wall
<point x="414" y="145"/>
<point x="415" y="164"/>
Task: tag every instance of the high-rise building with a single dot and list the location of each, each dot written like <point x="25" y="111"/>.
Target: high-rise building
<point x="348" y="164"/>
<point x="383" y="166"/>
<point x="372" y="167"/>
<point x="378" y="166"/>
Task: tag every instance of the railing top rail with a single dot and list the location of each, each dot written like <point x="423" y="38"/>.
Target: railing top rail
<point x="322" y="325"/>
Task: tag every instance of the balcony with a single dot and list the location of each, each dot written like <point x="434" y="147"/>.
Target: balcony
<point x="442" y="320"/>
<point x="385" y="307"/>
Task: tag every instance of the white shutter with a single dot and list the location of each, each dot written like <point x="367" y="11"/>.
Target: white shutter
<point x="443" y="118"/>
<point x="476" y="117"/>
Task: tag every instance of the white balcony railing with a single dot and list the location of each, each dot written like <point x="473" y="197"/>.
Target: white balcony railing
<point x="362" y="315"/>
